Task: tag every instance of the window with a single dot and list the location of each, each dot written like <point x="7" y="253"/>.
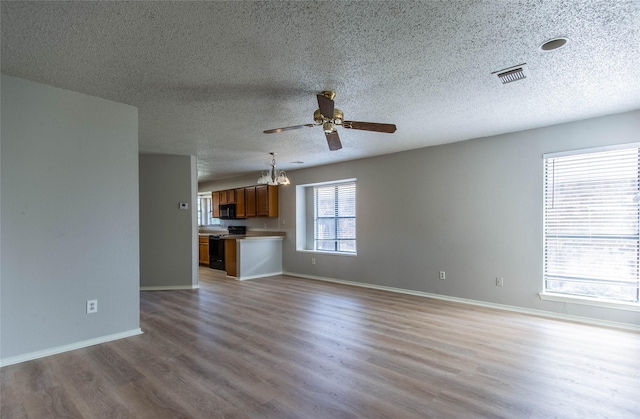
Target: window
<point x="204" y="211"/>
<point x="591" y="223"/>
<point x="335" y="217"/>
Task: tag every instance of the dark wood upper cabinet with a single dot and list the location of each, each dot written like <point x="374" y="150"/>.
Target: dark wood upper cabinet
<point x="231" y="196"/>
<point x="241" y="211"/>
<point x="227" y="197"/>
<point x="250" y="201"/>
<point x="215" y="204"/>
<point x="266" y="201"/>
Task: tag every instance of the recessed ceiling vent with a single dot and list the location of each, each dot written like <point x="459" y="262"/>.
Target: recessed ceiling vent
<point x="511" y="74"/>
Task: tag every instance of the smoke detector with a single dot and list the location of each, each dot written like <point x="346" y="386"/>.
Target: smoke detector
<point x="511" y="74"/>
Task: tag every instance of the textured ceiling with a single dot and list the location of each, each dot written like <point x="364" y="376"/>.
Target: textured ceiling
<point x="209" y="77"/>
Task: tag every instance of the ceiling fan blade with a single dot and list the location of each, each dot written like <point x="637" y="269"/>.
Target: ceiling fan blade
<point x="277" y="130"/>
<point x="326" y="106"/>
<point x="333" y="140"/>
<point x="370" y="126"/>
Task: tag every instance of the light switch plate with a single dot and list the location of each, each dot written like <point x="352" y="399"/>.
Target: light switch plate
<point x="184" y="205"/>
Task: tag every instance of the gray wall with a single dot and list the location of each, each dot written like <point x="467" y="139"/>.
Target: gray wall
<point x="168" y="235"/>
<point x="472" y="209"/>
<point x="69" y="229"/>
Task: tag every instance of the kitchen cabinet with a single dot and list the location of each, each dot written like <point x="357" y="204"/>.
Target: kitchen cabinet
<point x="230" y="257"/>
<point x="203" y="250"/>
<point x="250" y="201"/>
<point x="215" y="204"/>
<point x="266" y="201"/>
<point x="228" y="197"/>
<point x="241" y="211"/>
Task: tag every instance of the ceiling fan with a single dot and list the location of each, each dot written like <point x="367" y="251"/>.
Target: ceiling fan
<point x="329" y="117"/>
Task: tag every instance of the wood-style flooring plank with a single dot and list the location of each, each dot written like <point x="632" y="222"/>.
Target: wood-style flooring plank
<point x="284" y="347"/>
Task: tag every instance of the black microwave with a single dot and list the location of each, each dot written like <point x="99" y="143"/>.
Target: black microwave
<point x="228" y="211"/>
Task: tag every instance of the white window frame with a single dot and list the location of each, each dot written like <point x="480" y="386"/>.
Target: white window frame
<point x="575" y="298"/>
<point x="305" y="215"/>
<point x="335" y="238"/>
<point x="208" y="221"/>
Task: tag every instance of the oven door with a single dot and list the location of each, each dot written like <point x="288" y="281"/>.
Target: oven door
<point x="216" y="252"/>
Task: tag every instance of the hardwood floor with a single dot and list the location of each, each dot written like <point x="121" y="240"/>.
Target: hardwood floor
<point x="284" y="347"/>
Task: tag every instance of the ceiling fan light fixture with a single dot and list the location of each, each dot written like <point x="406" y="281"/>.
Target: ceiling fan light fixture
<point x="338" y="116"/>
<point x="331" y="117"/>
<point x="317" y="117"/>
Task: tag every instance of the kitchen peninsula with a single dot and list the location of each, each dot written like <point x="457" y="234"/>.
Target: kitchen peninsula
<point x="253" y="257"/>
<point x="256" y="254"/>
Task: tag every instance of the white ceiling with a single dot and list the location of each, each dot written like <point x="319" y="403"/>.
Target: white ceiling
<point x="209" y="77"/>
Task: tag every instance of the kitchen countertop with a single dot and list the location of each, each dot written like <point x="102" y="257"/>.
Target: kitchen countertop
<point x="256" y="234"/>
<point x="280" y="237"/>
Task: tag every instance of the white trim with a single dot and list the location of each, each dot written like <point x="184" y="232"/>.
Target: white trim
<point x="326" y="252"/>
<point x="255" y="276"/>
<point x="329" y="182"/>
<point x="170" y="288"/>
<point x="530" y="311"/>
<point x="575" y="299"/>
<point x="65" y="348"/>
<point x="591" y="150"/>
<point x="254" y="238"/>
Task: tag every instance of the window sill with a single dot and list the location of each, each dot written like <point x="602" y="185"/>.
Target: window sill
<point x="325" y="252"/>
<point x="598" y="302"/>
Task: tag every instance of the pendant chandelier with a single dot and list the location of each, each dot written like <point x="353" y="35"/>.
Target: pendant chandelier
<point x="275" y="177"/>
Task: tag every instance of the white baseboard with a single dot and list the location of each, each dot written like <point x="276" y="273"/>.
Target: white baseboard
<point x="65" y="348"/>
<point x="530" y="311"/>
<point x="257" y="276"/>
<point x="170" y="288"/>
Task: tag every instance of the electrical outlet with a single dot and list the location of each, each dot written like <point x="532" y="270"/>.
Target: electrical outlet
<point x="92" y="306"/>
<point x="442" y="275"/>
<point x="499" y="282"/>
<point x="313" y="261"/>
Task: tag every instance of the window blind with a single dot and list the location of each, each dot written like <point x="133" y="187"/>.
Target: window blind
<point x="591" y="224"/>
<point x="204" y="210"/>
<point x="335" y="217"/>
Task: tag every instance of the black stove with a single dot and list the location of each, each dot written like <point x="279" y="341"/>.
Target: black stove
<point x="216" y="246"/>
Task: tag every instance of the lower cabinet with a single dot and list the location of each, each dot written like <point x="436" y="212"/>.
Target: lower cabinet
<point x="203" y="250"/>
<point x="230" y="257"/>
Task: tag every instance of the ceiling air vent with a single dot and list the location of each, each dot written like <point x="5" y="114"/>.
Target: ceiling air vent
<point x="508" y="75"/>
